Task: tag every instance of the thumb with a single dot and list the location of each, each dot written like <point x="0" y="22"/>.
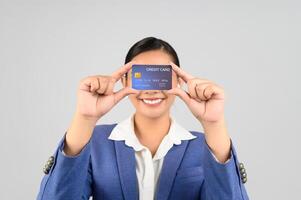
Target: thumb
<point x="120" y="94"/>
<point x="180" y="93"/>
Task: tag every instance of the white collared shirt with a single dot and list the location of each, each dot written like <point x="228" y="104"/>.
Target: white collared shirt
<point x="148" y="168"/>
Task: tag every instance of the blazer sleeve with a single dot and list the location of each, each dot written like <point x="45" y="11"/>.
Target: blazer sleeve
<point x="222" y="180"/>
<point x="69" y="177"/>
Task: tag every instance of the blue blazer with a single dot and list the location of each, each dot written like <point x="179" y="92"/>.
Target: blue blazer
<point x="105" y="169"/>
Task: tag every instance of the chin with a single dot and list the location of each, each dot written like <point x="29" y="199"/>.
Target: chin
<point x="152" y="114"/>
<point x="153" y="110"/>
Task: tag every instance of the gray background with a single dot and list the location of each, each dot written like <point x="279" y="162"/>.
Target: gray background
<point x="251" y="48"/>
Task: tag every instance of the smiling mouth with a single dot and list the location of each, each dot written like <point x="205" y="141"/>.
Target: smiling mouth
<point x="152" y="101"/>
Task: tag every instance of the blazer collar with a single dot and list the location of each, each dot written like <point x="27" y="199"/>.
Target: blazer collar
<point x="126" y="167"/>
<point x="125" y="154"/>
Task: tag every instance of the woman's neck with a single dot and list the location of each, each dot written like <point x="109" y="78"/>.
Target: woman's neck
<point x="151" y="131"/>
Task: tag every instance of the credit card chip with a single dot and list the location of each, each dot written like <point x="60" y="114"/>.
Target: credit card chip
<point x="137" y="75"/>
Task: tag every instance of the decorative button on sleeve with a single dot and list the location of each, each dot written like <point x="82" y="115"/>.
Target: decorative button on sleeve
<point x="243" y="173"/>
<point x="48" y="165"/>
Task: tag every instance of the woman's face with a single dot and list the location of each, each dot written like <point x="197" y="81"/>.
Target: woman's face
<point x="155" y="57"/>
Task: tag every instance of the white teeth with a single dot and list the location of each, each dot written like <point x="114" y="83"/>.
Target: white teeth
<point x="152" y="101"/>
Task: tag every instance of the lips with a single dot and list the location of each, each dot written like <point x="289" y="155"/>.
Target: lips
<point x="152" y="101"/>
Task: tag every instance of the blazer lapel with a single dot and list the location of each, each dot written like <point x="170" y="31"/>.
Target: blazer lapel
<point x="127" y="172"/>
<point x="171" y="163"/>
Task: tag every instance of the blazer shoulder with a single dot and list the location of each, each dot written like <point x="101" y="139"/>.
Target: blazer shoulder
<point x="200" y="136"/>
<point x="101" y="132"/>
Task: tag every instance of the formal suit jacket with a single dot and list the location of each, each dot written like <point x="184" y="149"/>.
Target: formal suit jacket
<point x="105" y="169"/>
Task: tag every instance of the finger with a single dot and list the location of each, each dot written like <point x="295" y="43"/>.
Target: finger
<point x="216" y="92"/>
<point x="85" y="84"/>
<point x="192" y="85"/>
<point x="94" y="85"/>
<point x="180" y="72"/>
<point x="103" y="84"/>
<point x="120" y="94"/>
<point x="110" y="87"/>
<point x="180" y="93"/>
<point x="205" y="91"/>
<point x="121" y="71"/>
<point x="208" y="92"/>
<point x="199" y="89"/>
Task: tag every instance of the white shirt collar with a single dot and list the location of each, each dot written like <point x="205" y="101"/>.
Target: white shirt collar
<point x="124" y="130"/>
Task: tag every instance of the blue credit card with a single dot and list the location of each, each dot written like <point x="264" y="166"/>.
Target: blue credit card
<point x="151" y="77"/>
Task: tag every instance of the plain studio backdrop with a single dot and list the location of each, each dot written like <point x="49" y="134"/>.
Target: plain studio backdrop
<point x="251" y="48"/>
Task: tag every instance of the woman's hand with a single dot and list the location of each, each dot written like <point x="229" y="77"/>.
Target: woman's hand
<point x="96" y="96"/>
<point x="204" y="98"/>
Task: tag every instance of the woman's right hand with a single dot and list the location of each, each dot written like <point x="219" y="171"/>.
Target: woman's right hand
<point x="96" y="96"/>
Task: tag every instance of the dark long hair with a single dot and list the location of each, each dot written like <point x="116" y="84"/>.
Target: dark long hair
<point x="151" y="43"/>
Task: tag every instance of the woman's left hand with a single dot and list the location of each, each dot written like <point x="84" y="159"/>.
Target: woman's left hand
<point x="204" y="98"/>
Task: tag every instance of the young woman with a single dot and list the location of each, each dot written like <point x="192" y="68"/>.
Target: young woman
<point x="148" y="155"/>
